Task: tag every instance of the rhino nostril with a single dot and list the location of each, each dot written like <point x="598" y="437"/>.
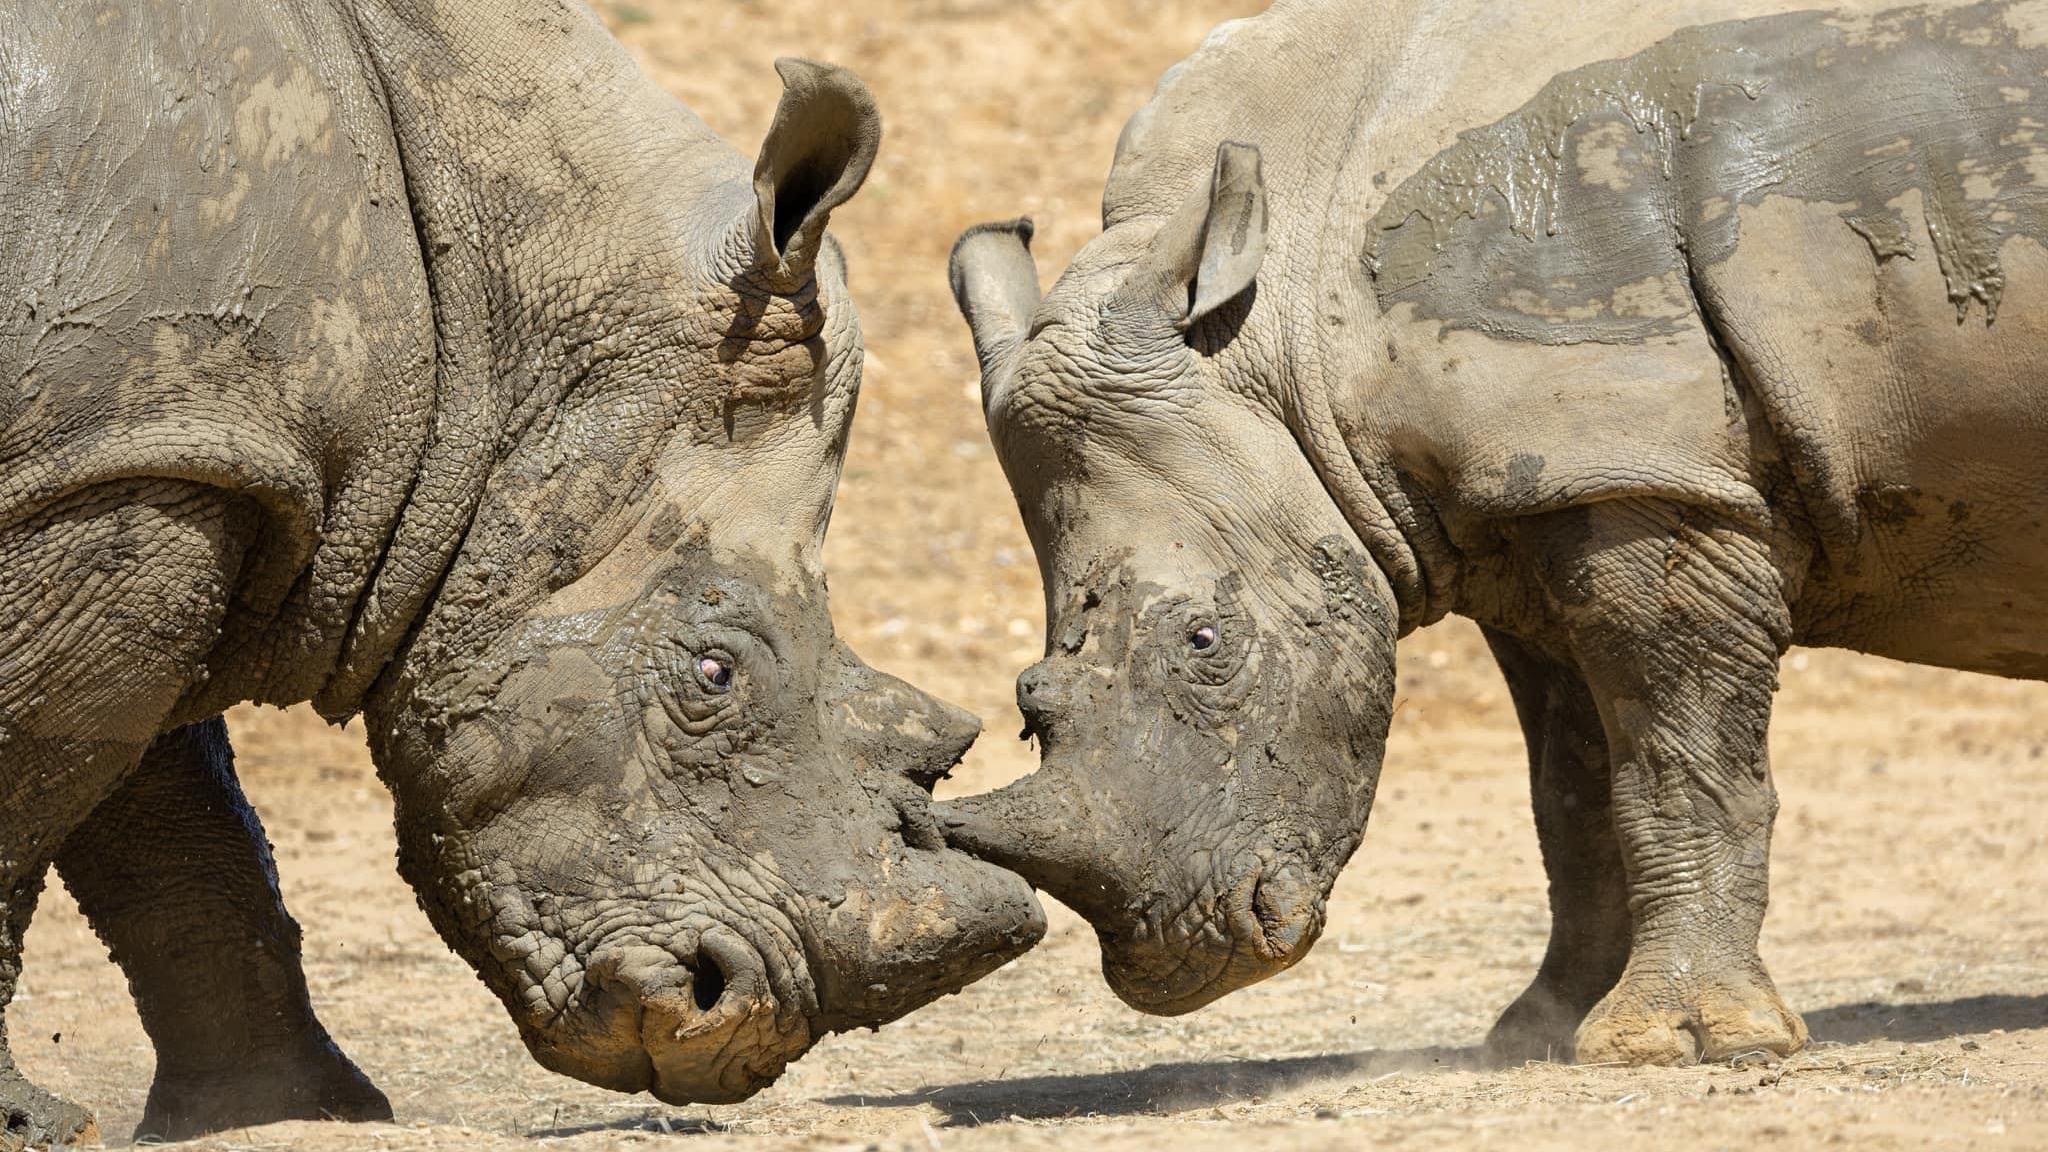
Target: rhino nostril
<point x="707" y="984"/>
<point x="1283" y="908"/>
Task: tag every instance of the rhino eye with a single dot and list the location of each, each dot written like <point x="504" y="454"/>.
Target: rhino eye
<point x="715" y="672"/>
<point x="1202" y="639"/>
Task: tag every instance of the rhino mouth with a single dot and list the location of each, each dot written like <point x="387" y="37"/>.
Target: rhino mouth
<point x="1259" y="922"/>
<point x="693" y="1021"/>
<point x="705" y="994"/>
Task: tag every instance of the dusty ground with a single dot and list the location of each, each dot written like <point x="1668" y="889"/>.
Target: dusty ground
<point x="1908" y="922"/>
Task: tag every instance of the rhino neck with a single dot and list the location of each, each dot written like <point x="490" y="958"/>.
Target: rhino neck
<point x="1340" y="361"/>
<point x="1399" y="532"/>
<point x="1304" y="119"/>
<point x="518" y="124"/>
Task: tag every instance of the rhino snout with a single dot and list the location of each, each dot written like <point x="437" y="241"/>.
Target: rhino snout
<point x="697" y="1025"/>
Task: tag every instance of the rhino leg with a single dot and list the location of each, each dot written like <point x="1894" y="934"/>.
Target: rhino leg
<point x="29" y="1116"/>
<point x="1568" y="787"/>
<point x="109" y="600"/>
<point x="177" y="878"/>
<point x="1677" y="620"/>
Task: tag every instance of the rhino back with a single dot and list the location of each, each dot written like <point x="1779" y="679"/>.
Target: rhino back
<point x="1526" y="258"/>
<point x="212" y="273"/>
<point x="1831" y="226"/>
<point x="1622" y="172"/>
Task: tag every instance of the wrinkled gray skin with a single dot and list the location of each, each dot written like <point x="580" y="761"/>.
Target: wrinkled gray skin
<point x="1654" y="349"/>
<point x="426" y="361"/>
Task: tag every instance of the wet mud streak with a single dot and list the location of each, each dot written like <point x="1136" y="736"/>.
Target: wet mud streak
<point x="1582" y="216"/>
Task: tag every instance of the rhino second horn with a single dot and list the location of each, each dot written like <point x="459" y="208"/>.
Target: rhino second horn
<point x="995" y="283"/>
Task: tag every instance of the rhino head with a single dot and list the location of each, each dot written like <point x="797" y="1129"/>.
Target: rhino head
<point x="676" y="825"/>
<point x="1218" y="679"/>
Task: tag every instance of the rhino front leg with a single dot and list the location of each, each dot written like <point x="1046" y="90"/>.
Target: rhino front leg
<point x="1568" y="788"/>
<point x="109" y="599"/>
<point x="29" y="1116"/>
<point x="177" y="878"/>
<point x="1677" y="620"/>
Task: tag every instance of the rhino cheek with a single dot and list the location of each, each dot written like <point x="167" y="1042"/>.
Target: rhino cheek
<point x="1239" y="889"/>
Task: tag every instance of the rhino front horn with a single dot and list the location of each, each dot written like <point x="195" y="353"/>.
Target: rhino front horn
<point x="816" y="155"/>
<point x="995" y="283"/>
<point x="1028" y="827"/>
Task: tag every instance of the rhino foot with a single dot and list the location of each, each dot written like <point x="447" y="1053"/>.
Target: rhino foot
<point x="1542" y="1024"/>
<point x="318" y="1085"/>
<point x="31" y="1118"/>
<point x="1672" y="1015"/>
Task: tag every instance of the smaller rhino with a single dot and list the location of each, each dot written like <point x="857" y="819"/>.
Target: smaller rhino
<point x="423" y="360"/>
<point x="1722" y="339"/>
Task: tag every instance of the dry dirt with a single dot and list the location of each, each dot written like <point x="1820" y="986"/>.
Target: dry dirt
<point x="1908" y="923"/>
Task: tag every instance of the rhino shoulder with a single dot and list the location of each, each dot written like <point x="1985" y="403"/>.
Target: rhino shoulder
<point x="213" y="275"/>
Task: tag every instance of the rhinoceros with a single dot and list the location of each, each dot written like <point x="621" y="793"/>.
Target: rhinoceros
<point x="427" y="362"/>
<point x="1655" y="342"/>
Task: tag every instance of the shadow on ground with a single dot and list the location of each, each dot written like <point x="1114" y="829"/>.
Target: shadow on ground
<point x="1160" y="1088"/>
<point x="652" y="1120"/>
<point x="1179" y="1087"/>
<point x="1912" y="1023"/>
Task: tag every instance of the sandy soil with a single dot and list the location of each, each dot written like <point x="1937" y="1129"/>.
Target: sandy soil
<point x="1908" y="924"/>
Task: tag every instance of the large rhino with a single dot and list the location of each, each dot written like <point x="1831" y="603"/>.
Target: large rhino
<point x="425" y="361"/>
<point x="1655" y="341"/>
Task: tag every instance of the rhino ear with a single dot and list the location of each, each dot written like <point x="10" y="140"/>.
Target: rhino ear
<point x="1211" y="249"/>
<point x="995" y="283"/>
<point x="818" y="151"/>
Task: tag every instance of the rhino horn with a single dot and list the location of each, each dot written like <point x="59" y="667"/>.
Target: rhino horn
<point x="1210" y="251"/>
<point x="995" y="283"/>
<point x="1029" y="827"/>
<point x="816" y="155"/>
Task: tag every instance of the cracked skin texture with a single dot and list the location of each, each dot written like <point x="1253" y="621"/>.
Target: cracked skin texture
<point x="427" y="362"/>
<point x="1655" y="343"/>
